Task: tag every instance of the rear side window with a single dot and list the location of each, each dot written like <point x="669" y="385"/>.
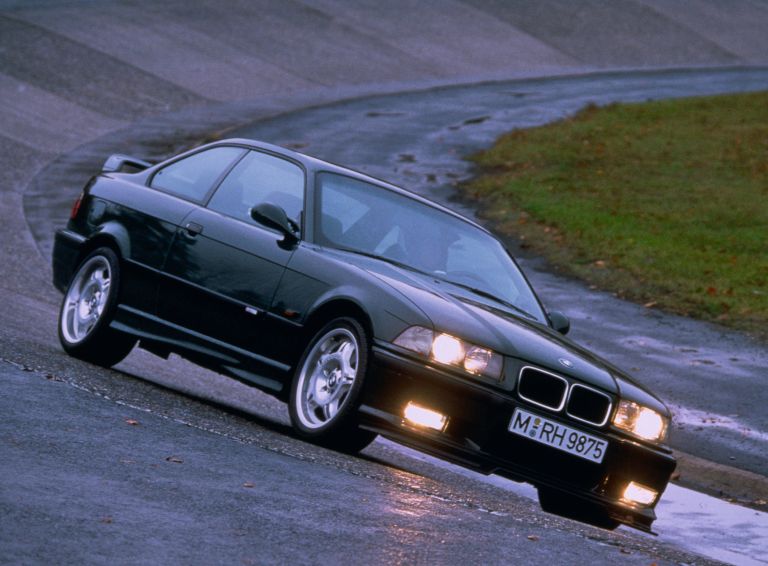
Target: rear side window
<point x="193" y="177"/>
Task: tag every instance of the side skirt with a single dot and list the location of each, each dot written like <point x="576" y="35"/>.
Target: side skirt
<point x="252" y="369"/>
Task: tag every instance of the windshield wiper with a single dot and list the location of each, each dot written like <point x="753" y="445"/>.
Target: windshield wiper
<point x="493" y="297"/>
<point x="385" y="259"/>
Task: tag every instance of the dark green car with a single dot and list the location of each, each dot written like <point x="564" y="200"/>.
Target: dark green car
<point x="369" y="309"/>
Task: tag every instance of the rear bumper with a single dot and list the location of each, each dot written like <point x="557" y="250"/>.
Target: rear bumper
<point x="66" y="251"/>
<point x="477" y="436"/>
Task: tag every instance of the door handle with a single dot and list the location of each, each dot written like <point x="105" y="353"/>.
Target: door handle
<point x="192" y="229"/>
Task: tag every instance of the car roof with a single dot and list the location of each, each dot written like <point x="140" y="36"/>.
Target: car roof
<point x="315" y="165"/>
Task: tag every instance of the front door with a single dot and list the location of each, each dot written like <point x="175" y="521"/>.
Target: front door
<point x="223" y="268"/>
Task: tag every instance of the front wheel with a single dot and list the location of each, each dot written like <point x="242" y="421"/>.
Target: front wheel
<point x="325" y="393"/>
<point x="87" y="309"/>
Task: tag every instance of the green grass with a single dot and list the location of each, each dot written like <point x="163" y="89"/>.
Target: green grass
<point x="663" y="202"/>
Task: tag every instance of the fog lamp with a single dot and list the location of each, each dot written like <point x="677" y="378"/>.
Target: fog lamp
<point x="639" y="494"/>
<point x="423" y="417"/>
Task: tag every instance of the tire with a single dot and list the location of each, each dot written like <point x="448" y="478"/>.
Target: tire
<point x="565" y="505"/>
<point x="325" y="392"/>
<point x="87" y="309"/>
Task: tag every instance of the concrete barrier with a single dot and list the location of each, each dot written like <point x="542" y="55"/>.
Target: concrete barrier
<point x="70" y="71"/>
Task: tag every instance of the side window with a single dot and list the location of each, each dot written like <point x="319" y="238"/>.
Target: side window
<point x="194" y="176"/>
<point x="257" y="179"/>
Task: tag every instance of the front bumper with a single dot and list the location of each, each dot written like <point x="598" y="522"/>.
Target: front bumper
<point x="477" y="436"/>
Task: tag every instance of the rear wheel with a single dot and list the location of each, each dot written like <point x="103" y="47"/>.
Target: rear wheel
<point x="565" y="505"/>
<point x="325" y="393"/>
<point x="87" y="309"/>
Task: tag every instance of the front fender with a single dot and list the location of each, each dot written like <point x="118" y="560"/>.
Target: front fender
<point x="387" y="317"/>
<point x="315" y="280"/>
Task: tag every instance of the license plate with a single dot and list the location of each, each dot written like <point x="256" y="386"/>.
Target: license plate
<point x="558" y="436"/>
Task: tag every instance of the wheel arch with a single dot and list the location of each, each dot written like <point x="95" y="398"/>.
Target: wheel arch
<point x="336" y="308"/>
<point x="111" y="235"/>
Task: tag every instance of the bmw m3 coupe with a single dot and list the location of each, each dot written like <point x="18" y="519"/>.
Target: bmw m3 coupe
<point x="368" y="309"/>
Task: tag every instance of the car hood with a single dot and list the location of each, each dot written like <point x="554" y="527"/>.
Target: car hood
<point x="478" y="320"/>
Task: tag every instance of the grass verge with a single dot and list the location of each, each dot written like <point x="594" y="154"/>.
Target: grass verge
<point x="664" y="202"/>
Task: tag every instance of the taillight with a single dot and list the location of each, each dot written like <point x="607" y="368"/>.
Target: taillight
<point x="76" y="206"/>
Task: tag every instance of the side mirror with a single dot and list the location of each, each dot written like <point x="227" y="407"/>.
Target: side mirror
<point x="273" y="216"/>
<point x="560" y="322"/>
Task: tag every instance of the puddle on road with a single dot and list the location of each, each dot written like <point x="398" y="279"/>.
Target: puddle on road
<point x="705" y="419"/>
<point x="687" y="519"/>
<point x="712" y="527"/>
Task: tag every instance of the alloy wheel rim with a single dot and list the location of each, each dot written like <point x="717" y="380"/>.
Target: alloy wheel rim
<point x="86" y="299"/>
<point x="327" y="377"/>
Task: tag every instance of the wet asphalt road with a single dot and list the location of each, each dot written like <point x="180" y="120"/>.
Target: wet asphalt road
<point x="143" y="475"/>
<point x="239" y="426"/>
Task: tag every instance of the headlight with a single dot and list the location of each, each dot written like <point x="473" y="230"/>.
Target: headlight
<point x="640" y="421"/>
<point x="449" y="350"/>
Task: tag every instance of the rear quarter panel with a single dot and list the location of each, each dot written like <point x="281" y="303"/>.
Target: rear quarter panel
<point x="142" y="222"/>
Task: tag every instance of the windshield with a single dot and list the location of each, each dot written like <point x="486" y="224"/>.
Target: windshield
<point x="366" y="218"/>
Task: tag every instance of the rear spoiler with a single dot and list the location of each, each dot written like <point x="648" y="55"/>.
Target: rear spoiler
<point x="119" y="163"/>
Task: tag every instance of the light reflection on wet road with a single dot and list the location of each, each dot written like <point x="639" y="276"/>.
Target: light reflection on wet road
<point x="688" y="519"/>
